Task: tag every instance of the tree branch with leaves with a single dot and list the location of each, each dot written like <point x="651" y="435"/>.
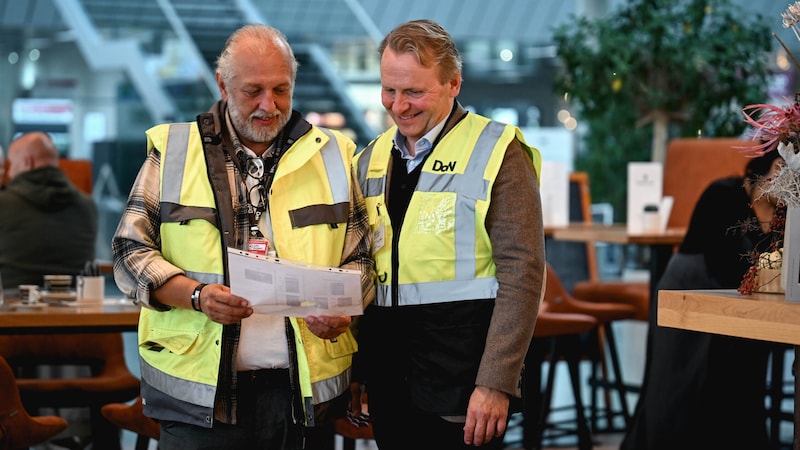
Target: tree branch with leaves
<point x="653" y="70"/>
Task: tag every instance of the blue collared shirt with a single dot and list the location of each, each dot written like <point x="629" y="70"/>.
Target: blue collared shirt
<point x="423" y="147"/>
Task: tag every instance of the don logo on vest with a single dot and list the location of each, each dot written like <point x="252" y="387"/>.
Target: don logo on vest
<point x="439" y="166"/>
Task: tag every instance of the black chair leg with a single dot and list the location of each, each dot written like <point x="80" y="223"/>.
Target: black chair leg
<point x="776" y="394"/>
<point x="599" y="373"/>
<point x="105" y="435"/>
<point x="570" y="355"/>
<point x="584" y="434"/>
<point x="532" y="393"/>
<point x="546" y="398"/>
<point x="618" y="381"/>
<point x="142" y="442"/>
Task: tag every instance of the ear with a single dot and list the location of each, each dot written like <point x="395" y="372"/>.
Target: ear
<point x="223" y="91"/>
<point x="455" y="85"/>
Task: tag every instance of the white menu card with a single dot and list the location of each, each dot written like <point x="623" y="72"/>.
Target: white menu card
<point x="645" y="182"/>
<point x="554" y="191"/>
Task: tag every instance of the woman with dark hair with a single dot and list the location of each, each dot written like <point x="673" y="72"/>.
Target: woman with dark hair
<point x="705" y="391"/>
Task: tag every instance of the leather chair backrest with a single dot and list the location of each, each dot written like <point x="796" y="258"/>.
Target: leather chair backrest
<point x="692" y="164"/>
<point x="78" y="170"/>
<point x="102" y="352"/>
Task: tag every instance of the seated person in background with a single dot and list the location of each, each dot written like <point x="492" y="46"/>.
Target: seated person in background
<point x="47" y="226"/>
<point x="700" y="390"/>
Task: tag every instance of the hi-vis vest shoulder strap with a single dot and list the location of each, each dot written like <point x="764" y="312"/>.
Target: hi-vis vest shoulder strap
<point x="446" y="251"/>
<point x="316" y="215"/>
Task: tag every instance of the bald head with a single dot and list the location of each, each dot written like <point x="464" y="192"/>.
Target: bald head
<point x="31" y="151"/>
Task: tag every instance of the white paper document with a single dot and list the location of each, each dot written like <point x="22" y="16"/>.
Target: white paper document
<point x="289" y="288"/>
<point x="554" y="192"/>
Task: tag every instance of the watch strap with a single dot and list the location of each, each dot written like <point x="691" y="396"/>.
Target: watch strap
<point x="196" y="297"/>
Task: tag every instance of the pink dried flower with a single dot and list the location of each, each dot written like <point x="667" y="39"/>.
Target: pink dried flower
<point x="771" y="125"/>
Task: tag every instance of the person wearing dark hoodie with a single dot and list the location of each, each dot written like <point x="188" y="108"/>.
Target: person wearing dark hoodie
<point x="47" y="225"/>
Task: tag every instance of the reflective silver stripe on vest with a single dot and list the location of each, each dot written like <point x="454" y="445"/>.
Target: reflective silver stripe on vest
<point x="370" y="187"/>
<point x="207" y="278"/>
<point x="175" y="162"/>
<point x="469" y="188"/>
<point x="330" y="388"/>
<point x="373" y="187"/>
<point x="184" y="390"/>
<point x="334" y="166"/>
<point x="440" y="291"/>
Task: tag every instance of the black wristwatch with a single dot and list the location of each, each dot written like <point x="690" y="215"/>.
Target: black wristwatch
<point x="196" y="297"/>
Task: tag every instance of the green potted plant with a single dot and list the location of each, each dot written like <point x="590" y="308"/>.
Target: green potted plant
<point x="653" y="70"/>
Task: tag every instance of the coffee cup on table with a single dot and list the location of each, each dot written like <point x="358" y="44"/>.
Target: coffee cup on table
<point x="91" y="289"/>
<point x="29" y="294"/>
<point x="651" y="219"/>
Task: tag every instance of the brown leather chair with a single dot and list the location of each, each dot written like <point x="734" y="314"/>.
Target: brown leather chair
<point x="18" y="430"/>
<point x="79" y="172"/>
<point x="685" y="179"/>
<point x="131" y="417"/>
<point x="351" y="432"/>
<point x="556" y="338"/>
<point x="606" y="313"/>
<point x="109" y="379"/>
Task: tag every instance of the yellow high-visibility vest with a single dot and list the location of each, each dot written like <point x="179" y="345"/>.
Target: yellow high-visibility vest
<point x="180" y="349"/>
<point x="443" y="243"/>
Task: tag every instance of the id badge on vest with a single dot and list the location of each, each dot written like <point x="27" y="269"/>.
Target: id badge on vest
<point x="379" y="233"/>
<point x="257" y="243"/>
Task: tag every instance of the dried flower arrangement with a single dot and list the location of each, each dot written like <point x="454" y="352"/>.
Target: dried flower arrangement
<point x="776" y="128"/>
<point x="765" y="271"/>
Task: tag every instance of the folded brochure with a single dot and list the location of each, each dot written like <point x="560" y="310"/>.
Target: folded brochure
<point x="289" y="288"/>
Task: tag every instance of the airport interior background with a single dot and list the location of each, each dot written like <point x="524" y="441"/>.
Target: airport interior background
<point x="96" y="74"/>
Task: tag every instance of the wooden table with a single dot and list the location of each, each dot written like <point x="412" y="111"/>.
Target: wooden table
<point x="662" y="245"/>
<point x="615" y="234"/>
<point x="115" y="314"/>
<point x="767" y="317"/>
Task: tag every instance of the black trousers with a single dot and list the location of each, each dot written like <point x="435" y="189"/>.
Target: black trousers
<point x="399" y="425"/>
<point x="264" y="415"/>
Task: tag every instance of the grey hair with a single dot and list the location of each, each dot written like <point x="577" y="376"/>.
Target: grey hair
<point x="256" y="36"/>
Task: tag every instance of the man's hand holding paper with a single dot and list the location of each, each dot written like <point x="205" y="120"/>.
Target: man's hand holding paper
<point x="328" y="327"/>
